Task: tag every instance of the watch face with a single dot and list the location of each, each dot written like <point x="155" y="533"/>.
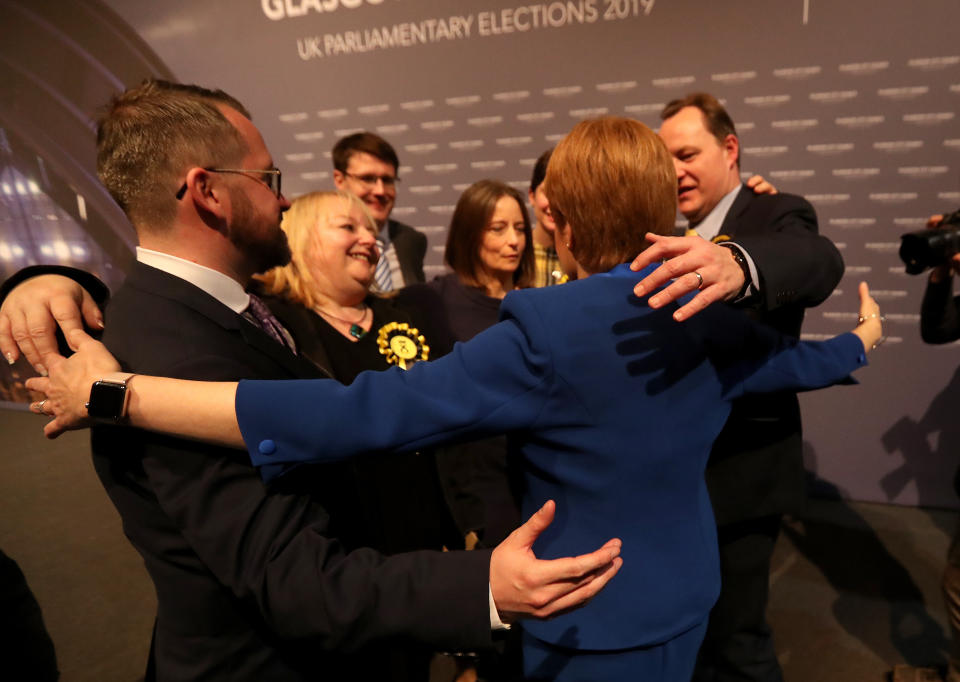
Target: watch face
<point x="106" y="400"/>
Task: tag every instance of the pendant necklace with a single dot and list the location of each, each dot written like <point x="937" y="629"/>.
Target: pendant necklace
<point x="356" y="331"/>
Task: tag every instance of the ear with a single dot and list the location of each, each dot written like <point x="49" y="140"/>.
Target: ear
<point x="530" y="196"/>
<point x="563" y="234"/>
<point x="731" y="149"/>
<point x="208" y="196"/>
<point x="339" y="179"/>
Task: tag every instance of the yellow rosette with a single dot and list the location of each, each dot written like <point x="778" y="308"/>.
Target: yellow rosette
<point x="401" y="344"/>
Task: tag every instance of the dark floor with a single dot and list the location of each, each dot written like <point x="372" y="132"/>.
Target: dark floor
<point x="855" y="587"/>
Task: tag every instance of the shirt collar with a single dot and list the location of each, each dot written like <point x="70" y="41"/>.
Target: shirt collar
<point x="709" y="227"/>
<point x="223" y="288"/>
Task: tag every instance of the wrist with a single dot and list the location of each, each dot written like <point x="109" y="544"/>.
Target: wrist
<point x="110" y="397"/>
<point x="741" y="262"/>
<point x="870" y="331"/>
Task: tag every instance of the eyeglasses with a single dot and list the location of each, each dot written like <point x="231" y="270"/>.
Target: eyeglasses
<point x="370" y="180"/>
<point x="270" y="177"/>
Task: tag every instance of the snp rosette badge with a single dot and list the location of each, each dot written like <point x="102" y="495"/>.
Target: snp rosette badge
<point x="401" y="344"/>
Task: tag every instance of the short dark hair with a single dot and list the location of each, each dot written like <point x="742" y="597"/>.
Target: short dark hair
<point x="365" y="142"/>
<point x="470" y="218"/>
<point x="540" y="170"/>
<point x="612" y="180"/>
<point x="147" y="138"/>
<point x="715" y="117"/>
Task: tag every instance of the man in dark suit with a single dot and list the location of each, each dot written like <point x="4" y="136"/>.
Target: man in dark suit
<point x="762" y="253"/>
<point x="366" y="165"/>
<point x="251" y="585"/>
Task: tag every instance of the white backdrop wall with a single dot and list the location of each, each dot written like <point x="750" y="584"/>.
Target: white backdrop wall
<point x="851" y="103"/>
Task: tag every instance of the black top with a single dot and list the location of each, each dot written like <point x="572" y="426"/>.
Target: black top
<point x="393" y="503"/>
<point x="466" y="311"/>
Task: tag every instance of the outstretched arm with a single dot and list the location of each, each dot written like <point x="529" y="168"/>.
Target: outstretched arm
<point x="754" y="358"/>
<point x="521" y="585"/>
<point x="199" y="410"/>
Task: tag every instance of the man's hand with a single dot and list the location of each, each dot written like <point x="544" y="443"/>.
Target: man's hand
<point x="67" y="388"/>
<point x="721" y="279"/>
<point x="759" y="185"/>
<point x="33" y="310"/>
<point x="524" y="586"/>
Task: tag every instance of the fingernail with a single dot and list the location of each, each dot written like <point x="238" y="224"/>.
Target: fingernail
<point x="41" y="370"/>
<point x="99" y="322"/>
<point x="9" y="357"/>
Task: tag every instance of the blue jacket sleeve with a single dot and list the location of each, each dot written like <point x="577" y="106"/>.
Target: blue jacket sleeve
<point x="801" y="366"/>
<point x="754" y="358"/>
<point x="493" y="384"/>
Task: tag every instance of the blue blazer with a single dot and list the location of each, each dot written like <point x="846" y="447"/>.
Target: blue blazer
<point x="614" y="407"/>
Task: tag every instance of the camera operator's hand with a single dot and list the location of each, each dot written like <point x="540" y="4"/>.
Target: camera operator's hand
<point x="941" y="272"/>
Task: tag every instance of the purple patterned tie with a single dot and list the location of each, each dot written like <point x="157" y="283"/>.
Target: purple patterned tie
<point x="259" y="314"/>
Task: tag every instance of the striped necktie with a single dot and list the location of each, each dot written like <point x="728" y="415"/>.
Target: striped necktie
<point x="382" y="274"/>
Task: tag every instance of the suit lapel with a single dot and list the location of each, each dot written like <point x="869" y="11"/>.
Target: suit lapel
<point x="732" y="222"/>
<point x="166" y="285"/>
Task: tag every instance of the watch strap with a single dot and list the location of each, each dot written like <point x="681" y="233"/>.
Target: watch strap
<point x="740" y="260"/>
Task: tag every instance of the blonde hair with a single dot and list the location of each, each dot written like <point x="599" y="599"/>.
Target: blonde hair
<point x="612" y="180"/>
<point x="295" y="281"/>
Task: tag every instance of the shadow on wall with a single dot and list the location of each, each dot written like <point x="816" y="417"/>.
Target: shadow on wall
<point x="878" y="602"/>
<point x="935" y="435"/>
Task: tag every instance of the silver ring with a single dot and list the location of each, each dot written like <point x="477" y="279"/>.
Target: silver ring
<point x="699" y="279"/>
<point x="40" y="406"/>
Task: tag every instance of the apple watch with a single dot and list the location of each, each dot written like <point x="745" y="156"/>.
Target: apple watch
<point x="109" y="396"/>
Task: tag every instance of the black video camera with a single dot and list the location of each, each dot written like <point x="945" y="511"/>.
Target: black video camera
<point x="929" y="248"/>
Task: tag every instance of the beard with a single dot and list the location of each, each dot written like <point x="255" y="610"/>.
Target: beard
<point x="258" y="237"/>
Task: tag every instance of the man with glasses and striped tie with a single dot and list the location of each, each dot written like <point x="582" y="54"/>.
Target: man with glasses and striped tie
<point x="365" y="165"/>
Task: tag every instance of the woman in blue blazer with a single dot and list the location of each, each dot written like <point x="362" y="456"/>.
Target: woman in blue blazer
<point x="613" y="405"/>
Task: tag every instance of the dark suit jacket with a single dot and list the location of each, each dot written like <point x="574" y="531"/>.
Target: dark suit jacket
<point x="596" y="391"/>
<point x="250" y="584"/>
<point x="756" y="467"/>
<point x="411" y="247"/>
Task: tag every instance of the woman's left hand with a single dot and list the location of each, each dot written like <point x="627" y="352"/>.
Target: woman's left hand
<point x="870" y="323"/>
<point x="67" y="388"/>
